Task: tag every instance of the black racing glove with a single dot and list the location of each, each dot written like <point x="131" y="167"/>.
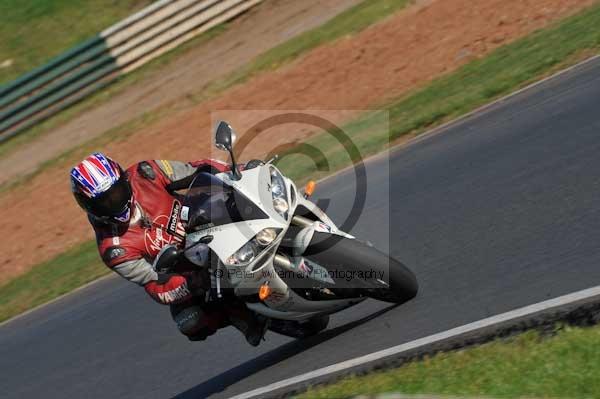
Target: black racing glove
<point x="167" y="259"/>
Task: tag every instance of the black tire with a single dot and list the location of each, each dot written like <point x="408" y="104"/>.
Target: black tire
<point x="296" y="329"/>
<point x="343" y="257"/>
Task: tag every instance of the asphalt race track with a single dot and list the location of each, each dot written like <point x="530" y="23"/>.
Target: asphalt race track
<point x="497" y="212"/>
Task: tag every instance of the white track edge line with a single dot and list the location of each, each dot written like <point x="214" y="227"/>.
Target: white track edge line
<point x="431" y="339"/>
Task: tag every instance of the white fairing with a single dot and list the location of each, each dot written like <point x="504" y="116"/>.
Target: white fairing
<point x="255" y="184"/>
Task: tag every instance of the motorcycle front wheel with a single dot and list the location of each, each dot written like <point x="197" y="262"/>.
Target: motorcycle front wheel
<point x="355" y="266"/>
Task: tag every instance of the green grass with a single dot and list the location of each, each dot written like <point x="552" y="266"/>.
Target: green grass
<point x="51" y="279"/>
<point x="34" y="31"/>
<point x="528" y="365"/>
<point x="346" y="23"/>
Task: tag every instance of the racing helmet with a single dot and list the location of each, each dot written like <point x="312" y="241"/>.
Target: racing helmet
<point x="101" y="188"/>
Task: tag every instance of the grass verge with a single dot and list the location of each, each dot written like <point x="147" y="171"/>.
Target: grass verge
<point x="34" y="31"/>
<point x="480" y="81"/>
<point x="528" y="365"/>
<point x="346" y="23"/>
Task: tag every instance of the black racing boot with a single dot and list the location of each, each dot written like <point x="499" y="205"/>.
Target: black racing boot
<point x="252" y="325"/>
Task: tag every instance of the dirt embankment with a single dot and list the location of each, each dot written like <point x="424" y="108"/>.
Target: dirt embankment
<point x="403" y="52"/>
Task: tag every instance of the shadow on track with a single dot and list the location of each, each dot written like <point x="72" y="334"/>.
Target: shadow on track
<point x="245" y="370"/>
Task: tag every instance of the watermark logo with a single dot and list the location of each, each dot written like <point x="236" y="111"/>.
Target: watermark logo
<point x="302" y="145"/>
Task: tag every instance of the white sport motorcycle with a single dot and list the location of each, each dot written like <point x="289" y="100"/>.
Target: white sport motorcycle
<point x="278" y="252"/>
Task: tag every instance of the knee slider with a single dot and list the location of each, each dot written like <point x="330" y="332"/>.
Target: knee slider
<point x="189" y="320"/>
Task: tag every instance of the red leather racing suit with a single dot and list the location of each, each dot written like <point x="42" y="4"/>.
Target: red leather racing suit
<point x="129" y="249"/>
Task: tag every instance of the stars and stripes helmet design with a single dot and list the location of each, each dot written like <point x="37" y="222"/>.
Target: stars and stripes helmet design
<point x="101" y="187"/>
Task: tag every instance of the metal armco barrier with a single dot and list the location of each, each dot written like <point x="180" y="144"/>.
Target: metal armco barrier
<point x="120" y="49"/>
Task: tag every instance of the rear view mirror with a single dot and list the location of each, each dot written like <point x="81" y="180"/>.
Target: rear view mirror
<point x="224" y="137"/>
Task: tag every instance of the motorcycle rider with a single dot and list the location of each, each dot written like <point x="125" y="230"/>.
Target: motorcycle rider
<point x="135" y="215"/>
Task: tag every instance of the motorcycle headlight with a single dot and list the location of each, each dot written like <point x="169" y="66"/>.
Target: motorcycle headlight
<point x="266" y="236"/>
<point x="249" y="251"/>
<point x="243" y="255"/>
<point x="279" y="193"/>
<point x="277" y="189"/>
<point x="281" y="206"/>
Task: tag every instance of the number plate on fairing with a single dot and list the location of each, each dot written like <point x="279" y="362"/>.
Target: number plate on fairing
<point x="314" y="271"/>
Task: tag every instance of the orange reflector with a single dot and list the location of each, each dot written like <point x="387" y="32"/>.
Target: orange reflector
<point x="264" y="291"/>
<point x="309" y="189"/>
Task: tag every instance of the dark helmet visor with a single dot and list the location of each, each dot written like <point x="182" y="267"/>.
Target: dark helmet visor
<point x="113" y="201"/>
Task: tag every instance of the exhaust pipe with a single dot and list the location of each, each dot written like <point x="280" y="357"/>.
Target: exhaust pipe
<point x="284" y="263"/>
<point x="302" y="221"/>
